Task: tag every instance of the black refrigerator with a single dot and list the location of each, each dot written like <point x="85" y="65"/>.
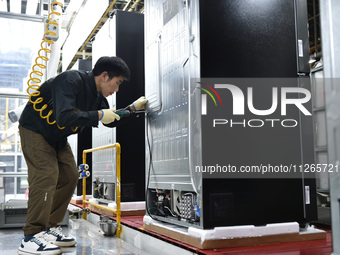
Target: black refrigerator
<point x="259" y="44"/>
<point x="259" y="39"/>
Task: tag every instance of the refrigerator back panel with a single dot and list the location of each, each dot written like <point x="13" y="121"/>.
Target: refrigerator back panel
<point x="167" y="59"/>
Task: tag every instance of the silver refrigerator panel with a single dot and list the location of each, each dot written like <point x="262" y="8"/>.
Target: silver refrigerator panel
<point x="123" y="36"/>
<point x="104" y="162"/>
<point x="173" y="129"/>
<point x="330" y="21"/>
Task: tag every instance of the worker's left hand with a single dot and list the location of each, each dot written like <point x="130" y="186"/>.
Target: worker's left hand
<point x="140" y="103"/>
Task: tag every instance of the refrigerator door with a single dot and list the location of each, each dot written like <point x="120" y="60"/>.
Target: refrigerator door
<point x="255" y="39"/>
<point x="258" y="38"/>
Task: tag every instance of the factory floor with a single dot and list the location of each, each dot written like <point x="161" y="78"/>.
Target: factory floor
<point x="89" y="238"/>
<point x="92" y="241"/>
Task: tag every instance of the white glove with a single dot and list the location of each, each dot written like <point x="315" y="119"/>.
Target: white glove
<point x="140" y="103"/>
<point x="109" y="116"/>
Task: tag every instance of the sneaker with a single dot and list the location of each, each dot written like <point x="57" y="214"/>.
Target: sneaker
<point x="38" y="245"/>
<point x="55" y="237"/>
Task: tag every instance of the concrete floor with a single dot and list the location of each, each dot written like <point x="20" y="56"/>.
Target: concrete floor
<point x="89" y="241"/>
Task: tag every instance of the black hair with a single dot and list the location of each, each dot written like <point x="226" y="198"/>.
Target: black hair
<point x="114" y="66"/>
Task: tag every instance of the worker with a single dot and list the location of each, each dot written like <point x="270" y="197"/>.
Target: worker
<point x="78" y="99"/>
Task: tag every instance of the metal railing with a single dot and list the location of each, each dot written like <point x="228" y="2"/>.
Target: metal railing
<point x="116" y="211"/>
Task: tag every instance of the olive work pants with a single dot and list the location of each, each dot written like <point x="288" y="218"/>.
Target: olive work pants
<point x="52" y="178"/>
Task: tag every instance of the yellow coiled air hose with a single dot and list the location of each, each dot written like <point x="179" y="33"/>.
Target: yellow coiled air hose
<point x="33" y="82"/>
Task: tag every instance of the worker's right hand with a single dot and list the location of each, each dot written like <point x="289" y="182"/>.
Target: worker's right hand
<point x="109" y="116"/>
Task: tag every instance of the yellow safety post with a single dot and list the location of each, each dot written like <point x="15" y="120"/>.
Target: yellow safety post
<point x="115" y="211"/>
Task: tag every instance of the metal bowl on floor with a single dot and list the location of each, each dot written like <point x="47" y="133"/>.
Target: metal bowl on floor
<point x="107" y="225"/>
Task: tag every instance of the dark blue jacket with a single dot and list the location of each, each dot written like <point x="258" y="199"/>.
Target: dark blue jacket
<point x="75" y="102"/>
